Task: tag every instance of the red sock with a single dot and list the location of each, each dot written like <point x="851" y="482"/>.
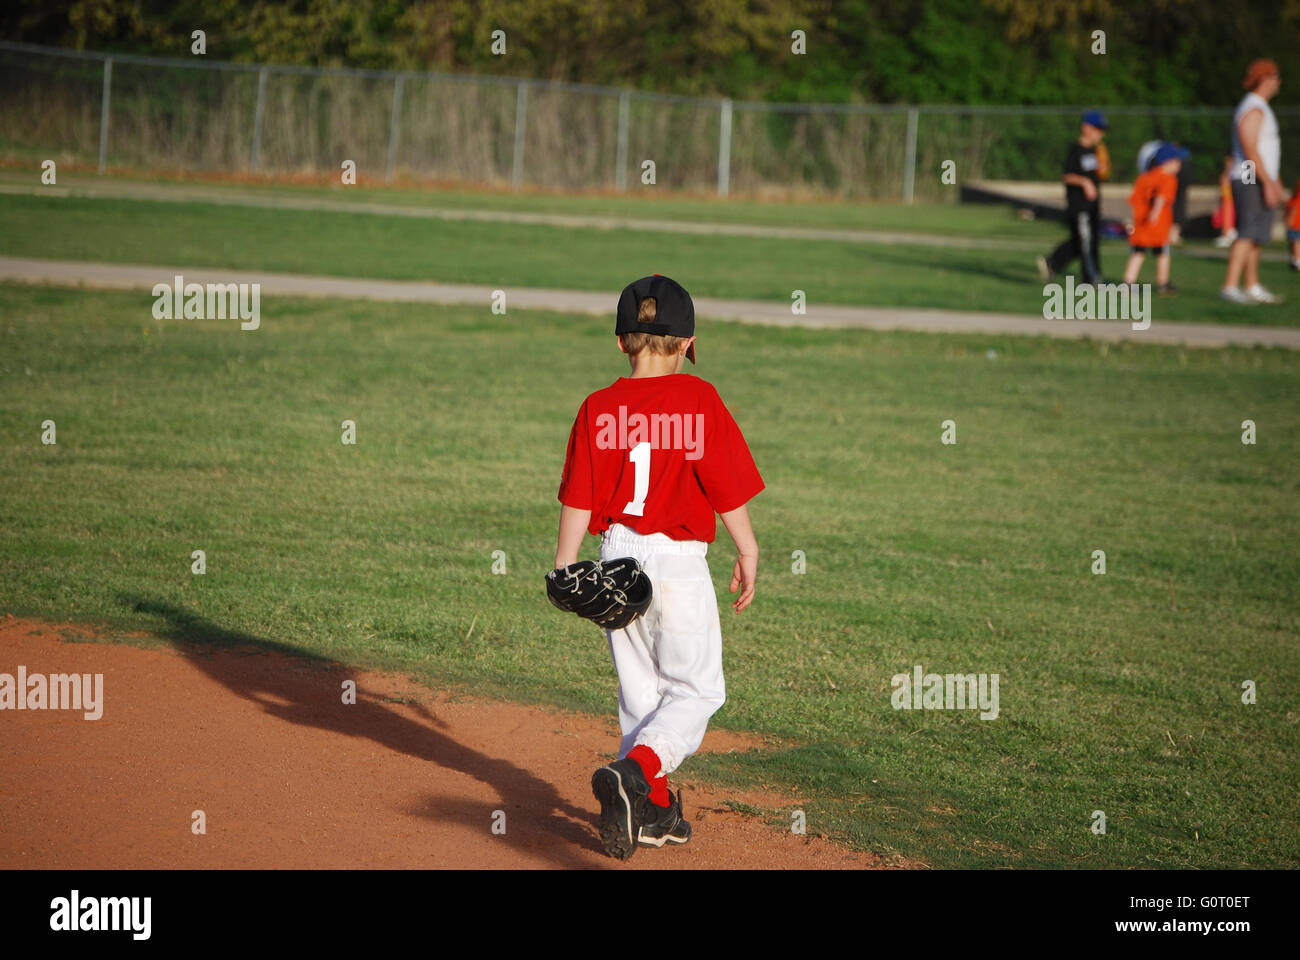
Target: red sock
<point x="650" y="765"/>
<point x="659" y="791"/>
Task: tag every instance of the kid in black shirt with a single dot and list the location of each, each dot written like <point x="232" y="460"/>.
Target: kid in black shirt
<point x="1082" y="203"/>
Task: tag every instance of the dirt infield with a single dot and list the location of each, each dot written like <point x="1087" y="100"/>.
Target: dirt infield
<point x="287" y="775"/>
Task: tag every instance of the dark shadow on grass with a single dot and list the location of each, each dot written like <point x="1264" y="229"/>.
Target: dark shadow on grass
<point x="300" y="691"/>
<point x="950" y="261"/>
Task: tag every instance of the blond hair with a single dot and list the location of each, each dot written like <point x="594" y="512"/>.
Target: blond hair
<point x="636" y="341"/>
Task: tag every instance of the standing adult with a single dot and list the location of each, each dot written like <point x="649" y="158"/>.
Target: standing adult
<point x="1256" y="190"/>
<point x="1082" y="203"/>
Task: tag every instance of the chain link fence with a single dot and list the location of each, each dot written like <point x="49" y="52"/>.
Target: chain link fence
<point x="150" y="113"/>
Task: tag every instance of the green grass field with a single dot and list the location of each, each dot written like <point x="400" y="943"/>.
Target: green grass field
<point x="640" y="202"/>
<point x="336" y="243"/>
<point x="1119" y="692"/>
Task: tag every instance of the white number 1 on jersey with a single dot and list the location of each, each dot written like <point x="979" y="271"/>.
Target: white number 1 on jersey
<point x="640" y="457"/>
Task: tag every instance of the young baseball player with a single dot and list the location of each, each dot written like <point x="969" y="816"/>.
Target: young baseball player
<point x="1293" y="226"/>
<point x="651" y="459"/>
<point x="1083" y="172"/>
<point x="1224" y="218"/>
<point x="1152" y="201"/>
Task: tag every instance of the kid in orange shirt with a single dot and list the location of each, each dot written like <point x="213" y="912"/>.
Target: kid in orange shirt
<point x="1224" y="219"/>
<point x="1152" y="201"/>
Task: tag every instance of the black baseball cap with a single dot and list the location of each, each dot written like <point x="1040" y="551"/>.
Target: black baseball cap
<point x="674" y="310"/>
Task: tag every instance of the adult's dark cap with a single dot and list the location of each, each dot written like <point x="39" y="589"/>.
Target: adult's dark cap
<point x="674" y="310"/>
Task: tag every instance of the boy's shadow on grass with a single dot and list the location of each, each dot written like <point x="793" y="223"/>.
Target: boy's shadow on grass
<point x="289" y="692"/>
<point x="953" y="263"/>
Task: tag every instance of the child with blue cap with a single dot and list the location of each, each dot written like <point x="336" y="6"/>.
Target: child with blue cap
<point x="1083" y="174"/>
<point x="1153" y="198"/>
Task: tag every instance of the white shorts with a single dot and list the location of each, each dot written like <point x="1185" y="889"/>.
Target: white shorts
<point x="669" y="660"/>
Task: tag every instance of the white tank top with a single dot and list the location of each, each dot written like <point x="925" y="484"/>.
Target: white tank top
<point x="1269" y="143"/>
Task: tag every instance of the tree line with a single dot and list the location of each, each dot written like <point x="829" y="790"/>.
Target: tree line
<point x="1165" y="52"/>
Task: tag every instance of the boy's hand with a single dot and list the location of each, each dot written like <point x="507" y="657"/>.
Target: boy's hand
<point x="573" y="524"/>
<point x="743" y="578"/>
<point x="746" y="571"/>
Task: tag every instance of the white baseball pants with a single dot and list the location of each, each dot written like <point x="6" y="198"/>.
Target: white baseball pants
<point x="669" y="660"/>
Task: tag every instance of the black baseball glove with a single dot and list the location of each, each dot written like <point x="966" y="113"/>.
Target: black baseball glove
<point x="610" y="593"/>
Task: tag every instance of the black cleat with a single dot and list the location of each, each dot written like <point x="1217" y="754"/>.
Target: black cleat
<point x="624" y="795"/>
<point x="665" y="825"/>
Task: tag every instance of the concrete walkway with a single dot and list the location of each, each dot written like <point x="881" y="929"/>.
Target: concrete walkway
<point x="768" y="313"/>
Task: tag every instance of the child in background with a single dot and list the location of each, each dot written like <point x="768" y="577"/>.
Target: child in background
<point x="1224" y="218"/>
<point x="1152" y="201"/>
<point x="1180" y="204"/>
<point x="1083" y="169"/>
<point x="1293" y="226"/>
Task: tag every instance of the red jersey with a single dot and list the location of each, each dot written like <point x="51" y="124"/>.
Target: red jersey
<point x="659" y="455"/>
<point x="1154" y="183"/>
